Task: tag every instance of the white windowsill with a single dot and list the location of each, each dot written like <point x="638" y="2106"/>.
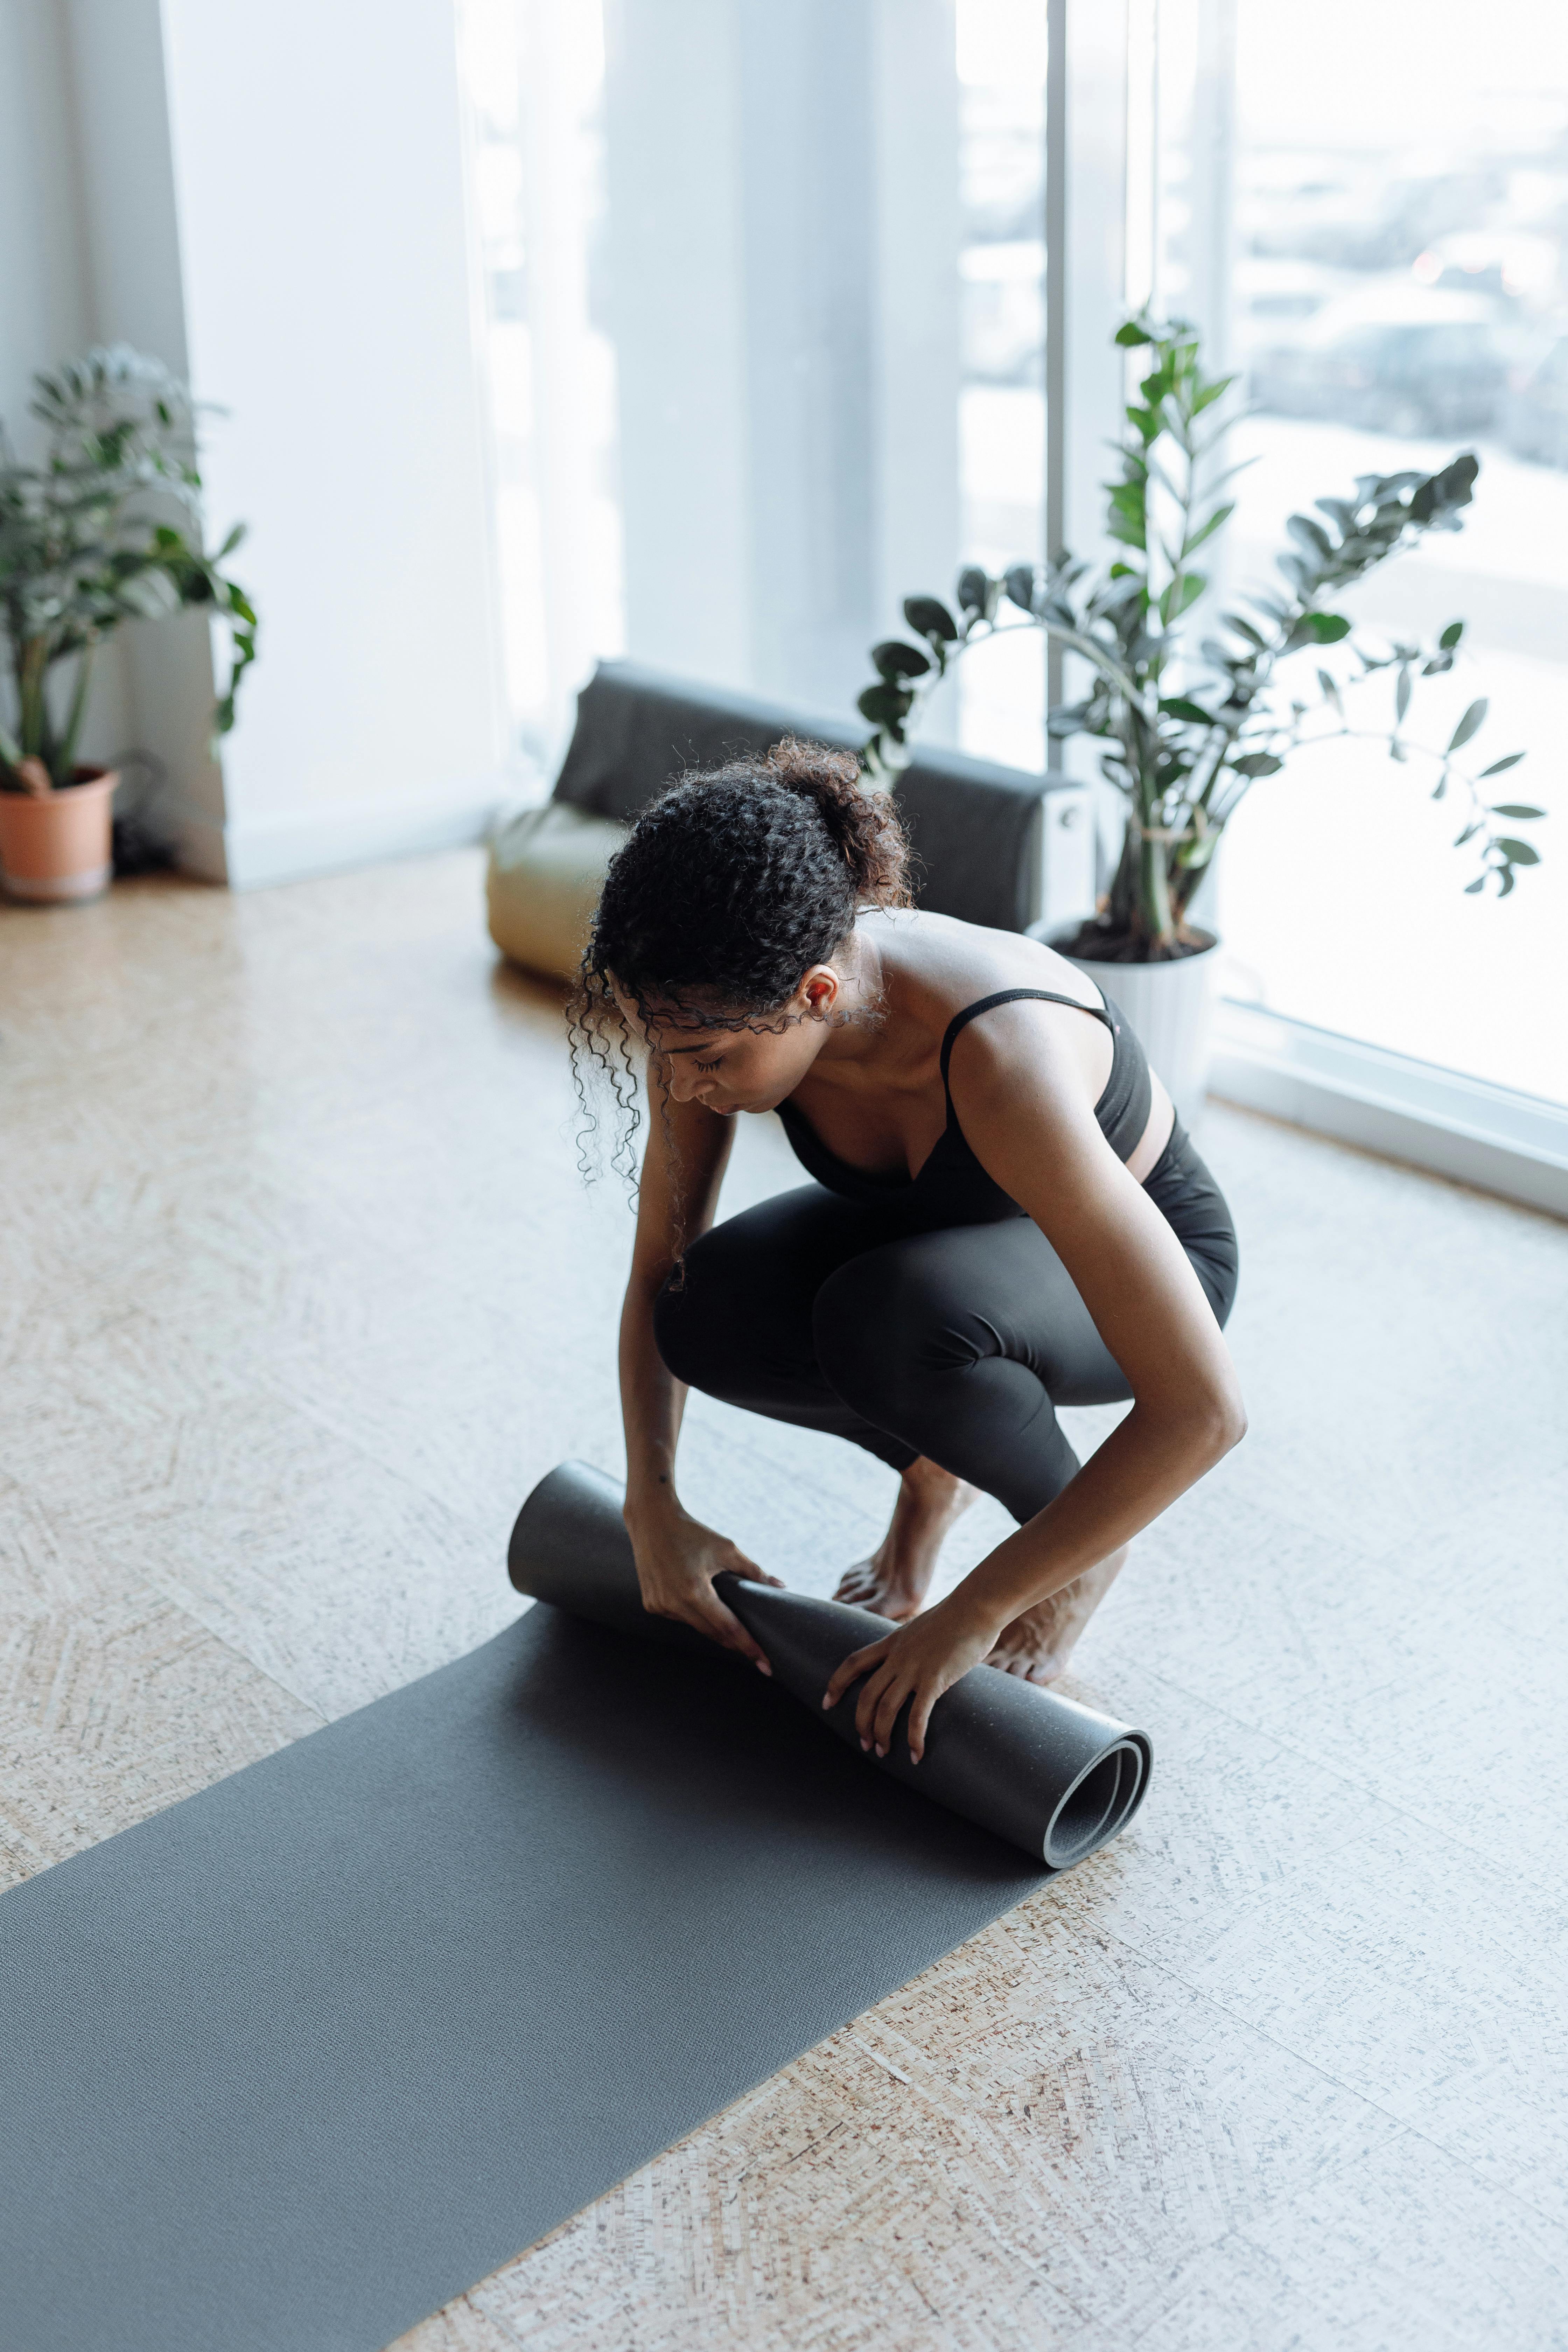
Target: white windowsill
<point x="1488" y="1136"/>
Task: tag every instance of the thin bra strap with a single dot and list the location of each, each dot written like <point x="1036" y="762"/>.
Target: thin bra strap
<point x="1010" y="996"/>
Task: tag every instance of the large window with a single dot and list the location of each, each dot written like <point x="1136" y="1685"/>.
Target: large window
<point x="764" y="323"/>
<point x="767" y="302"/>
<point x="1391" y="194"/>
<point x="534" y="81"/>
<point x="1001" y="61"/>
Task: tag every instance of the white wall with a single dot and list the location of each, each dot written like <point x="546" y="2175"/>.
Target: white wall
<point x="319" y="178"/>
<point x="135" y="295"/>
<point x="274" y="198"/>
<point x="46" y="309"/>
<point x="43" y="294"/>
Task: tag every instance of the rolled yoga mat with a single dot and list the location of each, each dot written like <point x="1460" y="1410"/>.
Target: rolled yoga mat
<point x="286" y="2067"/>
<point x="1049" y="1776"/>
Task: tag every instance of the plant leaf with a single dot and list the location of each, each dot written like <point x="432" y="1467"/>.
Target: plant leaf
<point x="1518" y="853"/>
<point x="1211" y="392"/>
<point x="894" y="659"/>
<point x="1172" y="604"/>
<point x="1326" y="628"/>
<point x="885" y="705"/>
<point x="1515" y="809"/>
<point x="930" y="618"/>
<point x="1177" y="706"/>
<point x="1451" y="636"/>
<point x="1498" y="766"/>
<point x="1468" y="724"/>
<point x="1221" y="515"/>
<point x="1402" y="698"/>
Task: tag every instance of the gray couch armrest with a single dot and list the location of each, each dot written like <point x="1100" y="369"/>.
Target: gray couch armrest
<point x="976" y="830"/>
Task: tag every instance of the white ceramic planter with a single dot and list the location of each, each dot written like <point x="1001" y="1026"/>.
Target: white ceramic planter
<point x="1170" y="1007"/>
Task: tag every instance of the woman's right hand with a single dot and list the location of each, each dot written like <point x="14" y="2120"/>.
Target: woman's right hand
<point x="677" y="1559"/>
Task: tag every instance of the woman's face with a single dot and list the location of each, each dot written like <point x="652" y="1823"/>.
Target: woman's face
<point x="729" y="1070"/>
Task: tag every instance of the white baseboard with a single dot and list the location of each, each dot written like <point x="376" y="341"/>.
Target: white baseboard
<point x="250" y="853"/>
<point x="1512" y="1144"/>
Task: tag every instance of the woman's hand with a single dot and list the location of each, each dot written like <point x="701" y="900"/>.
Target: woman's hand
<point x="918" y="1662"/>
<point x="677" y="1559"/>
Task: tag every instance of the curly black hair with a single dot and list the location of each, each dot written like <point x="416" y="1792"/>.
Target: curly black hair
<point x="731" y="886"/>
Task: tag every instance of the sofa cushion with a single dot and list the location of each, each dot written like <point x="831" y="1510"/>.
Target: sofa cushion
<point x="545" y="872"/>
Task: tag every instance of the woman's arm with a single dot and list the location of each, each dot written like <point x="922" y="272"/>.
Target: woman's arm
<point x="677" y="1557"/>
<point x="1022" y="1110"/>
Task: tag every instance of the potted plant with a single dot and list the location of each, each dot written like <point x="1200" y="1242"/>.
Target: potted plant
<point x="106" y="529"/>
<point x="1188" y="731"/>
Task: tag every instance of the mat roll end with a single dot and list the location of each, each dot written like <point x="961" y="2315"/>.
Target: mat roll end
<point x="1100" y="1803"/>
<point x="569" y="1546"/>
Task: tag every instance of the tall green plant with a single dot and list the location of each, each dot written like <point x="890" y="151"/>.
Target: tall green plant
<point x="108" y="529"/>
<point x="1188" y="732"/>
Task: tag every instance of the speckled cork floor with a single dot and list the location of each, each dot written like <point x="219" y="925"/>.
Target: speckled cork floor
<point x="300" y="1292"/>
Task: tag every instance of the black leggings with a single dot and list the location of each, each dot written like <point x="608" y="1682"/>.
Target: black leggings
<point x="956" y="1344"/>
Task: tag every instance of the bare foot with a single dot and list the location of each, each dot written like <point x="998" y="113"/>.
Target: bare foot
<point x="1038" y="1646"/>
<point x="895" y="1580"/>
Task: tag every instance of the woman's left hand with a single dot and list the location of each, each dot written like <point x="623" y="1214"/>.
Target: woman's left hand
<point x="918" y="1662"/>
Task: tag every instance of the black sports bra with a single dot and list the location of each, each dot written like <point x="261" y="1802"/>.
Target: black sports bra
<point x="953" y="1189"/>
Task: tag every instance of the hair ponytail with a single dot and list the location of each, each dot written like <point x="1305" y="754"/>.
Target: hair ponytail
<point x="863" y="825"/>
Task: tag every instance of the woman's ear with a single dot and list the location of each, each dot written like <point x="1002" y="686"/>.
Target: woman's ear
<point x="819" y="991"/>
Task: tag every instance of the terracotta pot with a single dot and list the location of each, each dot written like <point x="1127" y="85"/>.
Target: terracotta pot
<point x="58" y="845"/>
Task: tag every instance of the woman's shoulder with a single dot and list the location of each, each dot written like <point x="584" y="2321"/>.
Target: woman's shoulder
<point x="947" y="966"/>
<point x="948" y="971"/>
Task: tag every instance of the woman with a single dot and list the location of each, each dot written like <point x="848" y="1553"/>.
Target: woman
<point x="1006" y="1216"/>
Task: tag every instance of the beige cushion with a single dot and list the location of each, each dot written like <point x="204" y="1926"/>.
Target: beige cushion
<point x="546" y="870"/>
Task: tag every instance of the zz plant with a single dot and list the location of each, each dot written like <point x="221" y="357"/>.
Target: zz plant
<point x="106" y="529"/>
<point x="1189" y="730"/>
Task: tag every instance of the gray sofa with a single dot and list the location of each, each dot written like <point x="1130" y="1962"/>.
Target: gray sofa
<point x="976" y="828"/>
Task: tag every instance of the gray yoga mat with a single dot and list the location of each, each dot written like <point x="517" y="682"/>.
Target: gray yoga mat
<point x="286" y="2067"/>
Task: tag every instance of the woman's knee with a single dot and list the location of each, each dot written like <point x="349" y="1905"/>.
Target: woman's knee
<point x="886" y="1325"/>
<point x="693" y="1324"/>
<point x="724" y="1317"/>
